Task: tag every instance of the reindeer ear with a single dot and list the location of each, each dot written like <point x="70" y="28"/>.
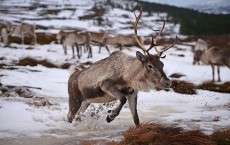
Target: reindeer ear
<point x="140" y="56"/>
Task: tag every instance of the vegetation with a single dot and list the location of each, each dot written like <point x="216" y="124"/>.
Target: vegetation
<point x="153" y="134"/>
<point x="192" y="22"/>
<point x="223" y="88"/>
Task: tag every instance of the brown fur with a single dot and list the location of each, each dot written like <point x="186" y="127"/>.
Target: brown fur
<point x="99" y="38"/>
<point x="115" y="77"/>
<point x="75" y="39"/>
<point x="23" y="30"/>
<point x="214" y="56"/>
<point x="124" y="40"/>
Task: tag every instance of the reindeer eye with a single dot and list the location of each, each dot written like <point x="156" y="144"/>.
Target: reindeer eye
<point x="150" y="66"/>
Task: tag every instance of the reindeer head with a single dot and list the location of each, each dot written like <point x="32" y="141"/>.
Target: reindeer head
<point x="152" y="64"/>
<point x="197" y="56"/>
<point x="60" y="36"/>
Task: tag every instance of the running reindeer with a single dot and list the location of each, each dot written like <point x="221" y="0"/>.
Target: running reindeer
<point x="76" y="39"/>
<point x="118" y="77"/>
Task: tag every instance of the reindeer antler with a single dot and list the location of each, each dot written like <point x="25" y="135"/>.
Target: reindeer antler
<point x="135" y="30"/>
<point x="154" y="40"/>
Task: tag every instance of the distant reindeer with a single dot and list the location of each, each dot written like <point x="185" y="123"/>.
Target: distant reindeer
<point x="99" y="38"/>
<point x="214" y="56"/>
<point x="5" y="28"/>
<point x="124" y="40"/>
<point x="75" y="39"/>
<point x="200" y="46"/>
<point x="23" y="30"/>
<point x="118" y="77"/>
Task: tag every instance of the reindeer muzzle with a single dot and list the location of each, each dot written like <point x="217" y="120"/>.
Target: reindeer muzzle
<point x="165" y="83"/>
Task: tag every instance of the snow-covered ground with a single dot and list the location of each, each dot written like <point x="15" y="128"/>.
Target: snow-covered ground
<point x="23" y="123"/>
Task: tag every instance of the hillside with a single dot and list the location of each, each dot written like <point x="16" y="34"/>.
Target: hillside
<point x="192" y="22"/>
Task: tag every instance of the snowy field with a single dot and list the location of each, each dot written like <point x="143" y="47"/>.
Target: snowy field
<point x="22" y="122"/>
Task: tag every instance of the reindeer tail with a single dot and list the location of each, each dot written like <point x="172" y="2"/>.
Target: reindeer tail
<point x="73" y="69"/>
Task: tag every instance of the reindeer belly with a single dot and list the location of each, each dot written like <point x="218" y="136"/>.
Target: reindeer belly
<point x="96" y="95"/>
<point x="103" y="99"/>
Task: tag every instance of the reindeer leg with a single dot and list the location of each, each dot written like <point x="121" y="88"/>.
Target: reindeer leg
<point x="120" y="46"/>
<point x="78" y="51"/>
<point x="73" y="51"/>
<point x="90" y="55"/>
<point x="22" y="37"/>
<point x="107" y="49"/>
<point x="74" y="105"/>
<point x="35" y="38"/>
<point x="82" y="109"/>
<point x="65" y="50"/>
<point x="213" y="72"/>
<point x="132" y="100"/>
<point x="218" y="71"/>
<point x="113" y="91"/>
<point x="99" y="48"/>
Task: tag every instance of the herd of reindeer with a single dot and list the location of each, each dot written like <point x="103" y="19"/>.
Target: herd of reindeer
<point x="213" y="56"/>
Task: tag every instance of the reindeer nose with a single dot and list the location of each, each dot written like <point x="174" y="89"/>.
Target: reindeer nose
<point x="165" y="83"/>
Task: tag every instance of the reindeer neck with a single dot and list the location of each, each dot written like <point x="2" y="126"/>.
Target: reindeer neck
<point x="204" y="57"/>
<point x="133" y="70"/>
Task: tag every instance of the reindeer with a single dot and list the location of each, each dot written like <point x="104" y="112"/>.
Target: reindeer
<point x="118" y="77"/>
<point x="214" y="56"/>
<point x="24" y="30"/>
<point x="99" y="38"/>
<point x="76" y="39"/>
<point x="124" y="40"/>
<point x="200" y="46"/>
<point x="5" y="28"/>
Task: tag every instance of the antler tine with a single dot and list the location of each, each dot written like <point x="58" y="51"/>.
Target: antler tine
<point x="159" y="52"/>
<point x="154" y="41"/>
<point x="135" y="30"/>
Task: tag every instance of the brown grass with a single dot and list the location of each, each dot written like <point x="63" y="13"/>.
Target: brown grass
<point x="33" y="62"/>
<point x="223" y="88"/>
<point x="42" y="38"/>
<point x="65" y="66"/>
<point x="152" y="134"/>
<point x="183" y="87"/>
<point x="221" y="137"/>
<point x="2" y="65"/>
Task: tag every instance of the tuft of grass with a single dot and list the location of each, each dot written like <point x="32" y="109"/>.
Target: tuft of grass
<point x="223" y="88"/>
<point x="154" y="134"/>
<point x="65" y="66"/>
<point x="183" y="87"/>
<point x="42" y="38"/>
<point x="221" y="137"/>
<point x="2" y="65"/>
<point x="28" y="61"/>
